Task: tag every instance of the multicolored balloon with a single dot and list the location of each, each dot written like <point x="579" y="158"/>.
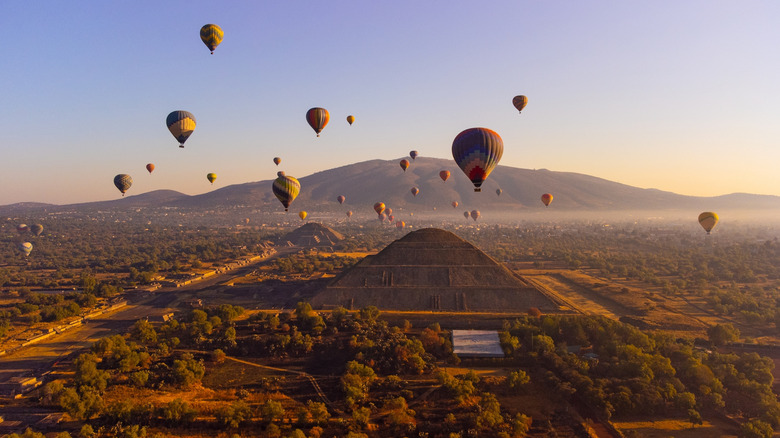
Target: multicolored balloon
<point x="123" y="182"/>
<point x="150" y="167"/>
<point x="390" y="218"/>
<point x="286" y="189"/>
<point x="382" y="217"/>
<point x="277" y="160"/>
<point x="708" y="220"/>
<point x="415" y="191"/>
<point x="25" y="248"/>
<point x="547" y="199"/>
<point x="37" y="229"/>
<point x="388" y="210"/>
<point x="349" y="214"/>
<point x="181" y="124"/>
<point x="475" y="215"/>
<point x="280" y="173"/>
<point x="302" y="215"/>
<point x="211" y="177"/>
<point x="520" y="102"/>
<point x="444" y="175"/>
<point x="350" y="119"/>
<point x="22" y="228"/>
<point x="413" y="154"/>
<point x="404" y="164"/>
<point x="466" y="214"/>
<point x="400" y="224"/>
<point x="455" y="204"/>
<point x="317" y="119"/>
<point x="379" y="207"/>
<point x="211" y="35"/>
<point x="341" y="199"/>
<point x="477" y="152"/>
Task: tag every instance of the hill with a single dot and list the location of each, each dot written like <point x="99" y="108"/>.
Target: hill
<point x="383" y="180"/>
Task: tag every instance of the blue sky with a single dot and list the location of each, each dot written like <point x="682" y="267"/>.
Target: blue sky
<point x="673" y="95"/>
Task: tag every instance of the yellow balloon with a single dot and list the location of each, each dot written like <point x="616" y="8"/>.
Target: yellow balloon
<point x="708" y="220"/>
<point x="211" y="177"/>
<point x="303" y="215"/>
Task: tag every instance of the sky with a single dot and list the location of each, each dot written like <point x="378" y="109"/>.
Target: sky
<point x="673" y="95"/>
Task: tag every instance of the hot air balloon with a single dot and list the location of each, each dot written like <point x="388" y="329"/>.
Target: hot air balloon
<point x="211" y="34"/>
<point x="400" y="224"/>
<point x="404" y="164"/>
<point x="277" y="160"/>
<point x="708" y="220"/>
<point x="390" y="218"/>
<point x="379" y="207"/>
<point x="22" y="228"/>
<point x="382" y="217"/>
<point x="123" y="182"/>
<point x="211" y="177"/>
<point x="547" y="199"/>
<point x="286" y="188"/>
<point x="477" y="151"/>
<point x="37" y="229"/>
<point x="413" y="154"/>
<point x="302" y="215"/>
<point x="520" y="102"/>
<point x="475" y="214"/>
<point x="341" y="199"/>
<point x="150" y="167"/>
<point x="280" y="173"/>
<point x="466" y="214"/>
<point x="455" y="204"/>
<point x="246" y="221"/>
<point x="350" y="119"/>
<point x="388" y="210"/>
<point x="317" y="118"/>
<point x="349" y="214"/>
<point x="25" y="248"/>
<point x="181" y="124"/>
<point x="415" y="191"/>
<point x="444" y="175"/>
<point x="499" y="192"/>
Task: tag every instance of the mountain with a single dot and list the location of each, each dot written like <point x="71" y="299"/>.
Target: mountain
<point x="368" y="182"/>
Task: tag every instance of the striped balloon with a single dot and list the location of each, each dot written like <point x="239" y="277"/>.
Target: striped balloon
<point x="708" y="220"/>
<point x="25" y="248"/>
<point x="123" y="182"/>
<point x="317" y="118"/>
<point x="519" y="102"/>
<point x="211" y="35"/>
<point x="181" y="124"/>
<point x="286" y="189"/>
<point x="477" y="151"/>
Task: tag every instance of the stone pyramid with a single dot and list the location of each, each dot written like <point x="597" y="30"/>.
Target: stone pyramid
<point x="312" y="234"/>
<point x="432" y="269"/>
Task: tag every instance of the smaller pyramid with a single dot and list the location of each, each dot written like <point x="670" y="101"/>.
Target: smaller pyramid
<point x="432" y="269"/>
<point x="312" y="235"/>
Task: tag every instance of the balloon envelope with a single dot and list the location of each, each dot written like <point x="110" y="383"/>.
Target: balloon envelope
<point x="211" y="177"/>
<point x="413" y="154"/>
<point x="379" y="207"/>
<point x="22" y="228"/>
<point x="708" y="220"/>
<point x="404" y="164"/>
<point x="350" y="119"/>
<point x="477" y="152"/>
<point x="25" y="248"/>
<point x="341" y="199"/>
<point x="520" y="102"/>
<point x="388" y="210"/>
<point x="150" y="167"/>
<point x="455" y="204"/>
<point x="499" y="192"/>
<point x="37" y="229"/>
<point x="280" y="173"/>
<point x="211" y="35"/>
<point x="415" y="191"/>
<point x="181" y="124"/>
<point x="302" y="215"/>
<point x="349" y="214"/>
<point x="444" y="175"/>
<point x="277" y="160"/>
<point x="466" y="214"/>
<point x="317" y="119"/>
<point x="400" y="224"/>
<point x="474" y="214"/>
<point x="286" y="189"/>
<point x="123" y="182"/>
<point x="547" y="199"/>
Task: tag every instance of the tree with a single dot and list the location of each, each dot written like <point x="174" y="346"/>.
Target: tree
<point x="521" y="424"/>
<point x="234" y="415"/>
<point x="270" y="411"/>
<point x="722" y="334"/>
<point x="755" y="429"/>
<point x="518" y="380"/>
<point x="144" y="332"/>
<point x="187" y="370"/>
<point x="178" y="412"/>
<point x="399" y="415"/>
<point x="319" y="412"/>
<point x="489" y="414"/>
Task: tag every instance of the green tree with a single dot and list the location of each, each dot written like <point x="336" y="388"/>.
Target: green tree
<point x="489" y="413"/>
<point x="755" y="429"/>
<point x="722" y="334"/>
<point x="271" y="411"/>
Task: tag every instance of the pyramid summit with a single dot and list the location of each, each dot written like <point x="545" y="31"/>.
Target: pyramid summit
<point x="432" y="269"/>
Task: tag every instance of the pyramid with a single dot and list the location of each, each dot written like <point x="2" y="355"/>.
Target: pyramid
<point x="432" y="269"/>
<point x="312" y="235"/>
